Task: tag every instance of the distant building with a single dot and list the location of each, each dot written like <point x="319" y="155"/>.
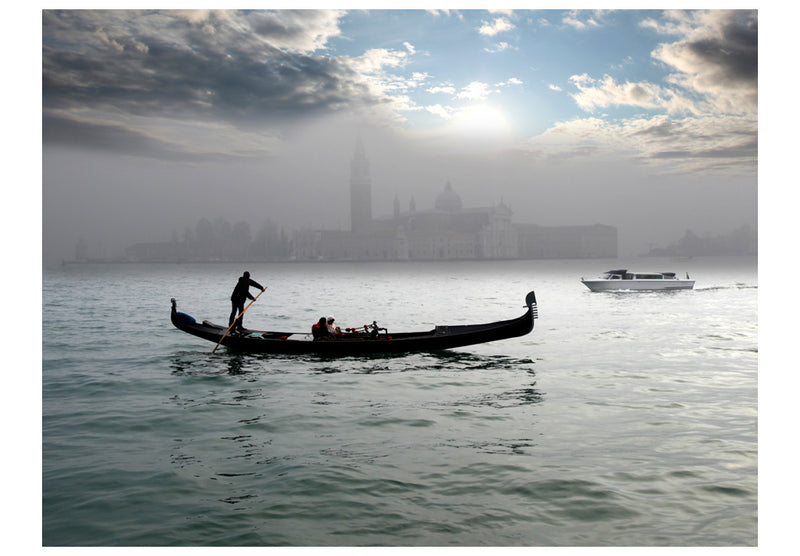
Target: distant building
<point x="449" y="231"/>
<point x="446" y="231"/>
<point x="741" y="241"/>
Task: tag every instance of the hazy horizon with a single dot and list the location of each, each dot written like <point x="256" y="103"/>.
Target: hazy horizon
<point x="642" y="119"/>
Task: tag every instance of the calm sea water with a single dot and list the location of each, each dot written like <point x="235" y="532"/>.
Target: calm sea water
<point x="623" y="419"/>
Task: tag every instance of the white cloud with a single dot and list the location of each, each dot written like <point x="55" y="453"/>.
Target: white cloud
<point x="628" y="60"/>
<point x="580" y="20"/>
<point x="607" y="92"/>
<point x="446" y="89"/>
<point x="439" y="110"/>
<point x="511" y="81"/>
<point x="715" y="63"/>
<point x="675" y="22"/>
<point x="376" y="59"/>
<point x="492" y="28"/>
<point x="499" y="47"/>
<point x="475" y="91"/>
<point x="703" y="116"/>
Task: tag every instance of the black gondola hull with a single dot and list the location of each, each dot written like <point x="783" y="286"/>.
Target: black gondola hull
<point x="437" y="339"/>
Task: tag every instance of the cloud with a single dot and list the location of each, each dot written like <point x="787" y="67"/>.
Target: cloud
<point x="734" y="138"/>
<point x="444" y="112"/>
<point x="721" y="143"/>
<point x="717" y="56"/>
<point x="375" y="60"/>
<point x="510" y="81"/>
<point x="446" y="89"/>
<point x="475" y="91"/>
<point x="249" y="69"/>
<point x="109" y="137"/>
<point x="492" y="28"/>
<point x="583" y="20"/>
<point x="499" y="47"/>
<point x="607" y="92"/>
<point x="302" y="31"/>
<point x="417" y="78"/>
<point x="702" y="118"/>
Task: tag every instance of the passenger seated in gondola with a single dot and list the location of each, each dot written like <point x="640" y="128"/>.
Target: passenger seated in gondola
<point x="320" y="329"/>
<point x="332" y="329"/>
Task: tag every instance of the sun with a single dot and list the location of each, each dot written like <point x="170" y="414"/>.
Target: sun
<point x="481" y="120"/>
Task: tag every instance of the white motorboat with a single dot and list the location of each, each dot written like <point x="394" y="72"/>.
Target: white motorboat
<point x="622" y="280"/>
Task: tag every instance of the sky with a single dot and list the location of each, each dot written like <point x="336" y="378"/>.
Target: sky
<point x="151" y="120"/>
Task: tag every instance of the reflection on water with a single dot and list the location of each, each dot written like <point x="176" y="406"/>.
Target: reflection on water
<point x="236" y="363"/>
<point x="195" y="363"/>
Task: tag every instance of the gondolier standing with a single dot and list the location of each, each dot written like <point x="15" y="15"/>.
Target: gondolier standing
<point x="241" y="293"/>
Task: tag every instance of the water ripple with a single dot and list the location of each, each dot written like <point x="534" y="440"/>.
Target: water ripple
<point x="623" y="420"/>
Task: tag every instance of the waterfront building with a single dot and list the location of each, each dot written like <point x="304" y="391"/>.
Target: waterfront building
<point x="449" y="231"/>
<point x="444" y="232"/>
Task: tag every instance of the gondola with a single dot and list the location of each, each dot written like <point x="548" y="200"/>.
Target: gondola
<point x="370" y="339"/>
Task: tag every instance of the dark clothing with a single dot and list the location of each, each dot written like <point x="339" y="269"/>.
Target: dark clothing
<point x="236" y="307"/>
<point x="241" y="293"/>
<point x="242" y="290"/>
<point x="320" y="329"/>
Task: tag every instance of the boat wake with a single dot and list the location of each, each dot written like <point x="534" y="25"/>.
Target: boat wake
<point x="738" y="286"/>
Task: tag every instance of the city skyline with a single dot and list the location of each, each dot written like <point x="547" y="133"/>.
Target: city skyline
<point x="642" y="119"/>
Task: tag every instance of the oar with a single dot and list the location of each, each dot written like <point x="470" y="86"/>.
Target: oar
<point x="237" y="318"/>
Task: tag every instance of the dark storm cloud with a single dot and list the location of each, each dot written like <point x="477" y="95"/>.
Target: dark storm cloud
<point x="168" y="64"/>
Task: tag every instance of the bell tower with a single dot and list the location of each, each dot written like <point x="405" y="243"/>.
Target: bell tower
<point x="360" y="190"/>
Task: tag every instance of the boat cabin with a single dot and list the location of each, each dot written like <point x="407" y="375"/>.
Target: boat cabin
<point x="625" y="275"/>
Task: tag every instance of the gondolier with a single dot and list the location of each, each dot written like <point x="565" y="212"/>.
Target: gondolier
<point x="241" y="293"/>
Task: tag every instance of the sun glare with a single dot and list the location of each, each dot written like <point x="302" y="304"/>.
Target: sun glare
<point x="481" y="121"/>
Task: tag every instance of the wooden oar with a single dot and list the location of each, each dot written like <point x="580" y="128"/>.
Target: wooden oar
<point x="237" y="318"/>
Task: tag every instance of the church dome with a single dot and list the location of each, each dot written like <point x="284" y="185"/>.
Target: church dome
<point x="448" y="200"/>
